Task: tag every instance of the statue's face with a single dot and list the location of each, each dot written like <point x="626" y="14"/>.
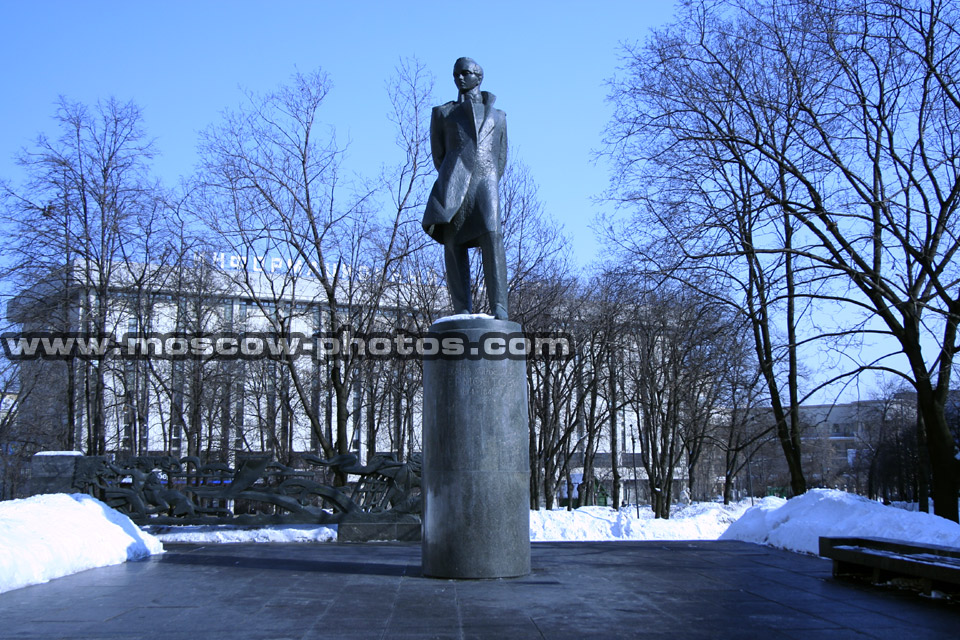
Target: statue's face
<point x="466" y="77"/>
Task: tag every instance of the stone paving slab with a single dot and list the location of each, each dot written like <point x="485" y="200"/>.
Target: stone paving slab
<point x="576" y="590"/>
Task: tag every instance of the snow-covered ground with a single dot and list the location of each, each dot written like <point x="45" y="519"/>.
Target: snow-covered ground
<point x="49" y="536"/>
<point x="697" y="521"/>
<point x="225" y="535"/>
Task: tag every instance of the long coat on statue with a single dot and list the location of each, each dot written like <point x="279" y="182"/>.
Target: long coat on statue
<point x="470" y="152"/>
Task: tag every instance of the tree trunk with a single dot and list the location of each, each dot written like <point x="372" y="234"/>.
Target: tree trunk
<point x="614" y="446"/>
<point x="943" y="463"/>
<point x="923" y="466"/>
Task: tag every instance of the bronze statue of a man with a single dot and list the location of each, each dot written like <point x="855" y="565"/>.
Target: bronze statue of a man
<point x="468" y="138"/>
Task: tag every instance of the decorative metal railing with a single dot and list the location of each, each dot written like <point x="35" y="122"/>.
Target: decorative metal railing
<point x="164" y="490"/>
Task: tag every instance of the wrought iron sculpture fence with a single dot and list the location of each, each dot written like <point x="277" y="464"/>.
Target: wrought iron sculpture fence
<point x="164" y="490"/>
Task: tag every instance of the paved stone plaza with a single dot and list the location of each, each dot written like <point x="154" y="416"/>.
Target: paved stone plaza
<point x="576" y="590"/>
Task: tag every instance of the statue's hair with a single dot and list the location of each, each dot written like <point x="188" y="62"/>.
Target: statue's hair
<point x="468" y="61"/>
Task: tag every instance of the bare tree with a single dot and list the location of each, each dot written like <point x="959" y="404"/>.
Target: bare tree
<point x="673" y="344"/>
<point x="562" y="396"/>
<point x="743" y="425"/>
<point x="19" y="439"/>
<point x="89" y="195"/>
<point x="843" y="116"/>
<point x="886" y="464"/>
<point x="599" y="340"/>
<point x="719" y="231"/>
<point x="272" y="186"/>
<point x="393" y="387"/>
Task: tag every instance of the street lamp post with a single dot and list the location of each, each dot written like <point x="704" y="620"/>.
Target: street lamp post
<point x="636" y="481"/>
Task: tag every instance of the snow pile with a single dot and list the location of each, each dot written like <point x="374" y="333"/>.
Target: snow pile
<point x="50" y="536"/>
<point x="221" y="535"/>
<point x="697" y="521"/>
<point x="464" y="316"/>
<point x="797" y="524"/>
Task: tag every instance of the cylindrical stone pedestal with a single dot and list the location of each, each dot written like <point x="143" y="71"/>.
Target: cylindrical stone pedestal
<point x="476" y="470"/>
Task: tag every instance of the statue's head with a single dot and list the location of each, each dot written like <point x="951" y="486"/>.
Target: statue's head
<point x="467" y="74"/>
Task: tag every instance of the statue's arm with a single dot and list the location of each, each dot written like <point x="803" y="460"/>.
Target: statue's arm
<point x="436" y="138"/>
<point x="502" y="159"/>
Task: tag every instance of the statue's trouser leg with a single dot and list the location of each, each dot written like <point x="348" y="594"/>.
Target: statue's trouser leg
<point x="495" y="273"/>
<point x="458" y="277"/>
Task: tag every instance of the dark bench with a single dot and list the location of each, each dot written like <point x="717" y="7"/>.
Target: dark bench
<point x="880" y="559"/>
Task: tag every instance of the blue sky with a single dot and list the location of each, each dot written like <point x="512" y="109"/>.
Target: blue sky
<point x="184" y="62"/>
